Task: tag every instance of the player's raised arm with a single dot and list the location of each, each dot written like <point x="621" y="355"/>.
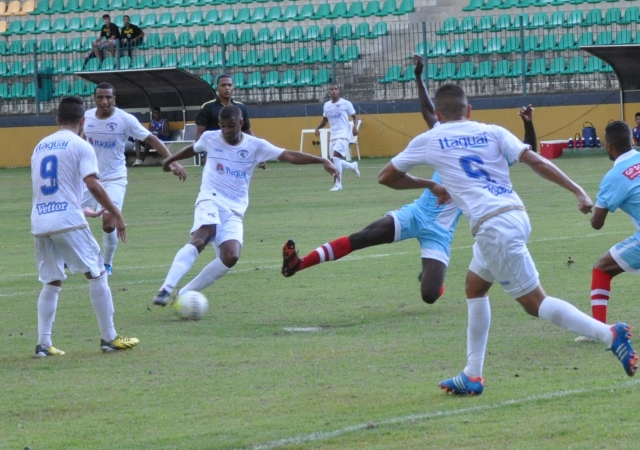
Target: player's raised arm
<point x="427" y="109"/>
<point x="526" y="113"/>
<point x="101" y="196"/>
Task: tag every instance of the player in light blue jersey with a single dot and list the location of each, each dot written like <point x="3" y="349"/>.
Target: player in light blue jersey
<point x="620" y="188"/>
<point x="431" y="224"/>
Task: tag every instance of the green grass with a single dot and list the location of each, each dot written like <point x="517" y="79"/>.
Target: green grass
<point x="368" y="379"/>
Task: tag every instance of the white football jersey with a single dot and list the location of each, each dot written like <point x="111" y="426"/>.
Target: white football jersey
<point x="227" y="173"/>
<point x="338" y="114"/>
<point x="473" y="161"/>
<point x="108" y="138"/>
<point x="59" y="165"/>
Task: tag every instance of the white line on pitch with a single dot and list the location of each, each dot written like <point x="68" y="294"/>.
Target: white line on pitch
<point x="320" y="435"/>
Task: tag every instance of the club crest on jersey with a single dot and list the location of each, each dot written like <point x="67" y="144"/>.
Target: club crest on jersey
<point x="464" y="142"/>
<point x="632" y="172"/>
<point x="220" y="168"/>
<point x="242" y="154"/>
<point x="111" y="126"/>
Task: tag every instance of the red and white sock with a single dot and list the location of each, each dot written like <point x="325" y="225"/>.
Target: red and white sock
<point x="331" y="251"/>
<point x="600" y="293"/>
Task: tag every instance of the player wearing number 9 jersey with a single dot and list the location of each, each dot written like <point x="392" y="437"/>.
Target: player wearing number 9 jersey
<point x="61" y="165"/>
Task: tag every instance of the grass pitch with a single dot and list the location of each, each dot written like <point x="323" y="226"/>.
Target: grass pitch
<point x="342" y="356"/>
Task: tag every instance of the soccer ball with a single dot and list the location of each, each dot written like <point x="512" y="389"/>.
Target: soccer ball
<point x="191" y="305"/>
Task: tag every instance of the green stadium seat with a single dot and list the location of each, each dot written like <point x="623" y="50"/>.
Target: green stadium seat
<point x="322" y="77"/>
<point x="16" y="91"/>
<point x="184" y="39"/>
<point x="490" y="4"/>
<point x="149" y="20"/>
<point x="567" y="42"/>
<point x="29" y="69"/>
<point x="257" y="15"/>
<point x="574" y="18"/>
<point x="339" y="10"/>
<point x="317" y="55"/>
<point x="326" y="32"/>
<point x="202" y="61"/>
<point x="151" y="40"/>
<point x="556" y="19"/>
<point x="235" y="58"/>
<point x="88" y="24"/>
<point x="124" y="63"/>
<point x="388" y="8"/>
<point x="604" y="38"/>
<point x="215" y="38"/>
<point x="289" y="14"/>
<point x="232" y="37"/>
<point x="409" y="73"/>
<point x="114" y="5"/>
<point x="515" y="25"/>
<point x="300" y="56"/>
<point x="275" y="12"/>
<point x="109" y="63"/>
<point x="544" y="3"/>
<point x="62" y="89"/>
<point x="637" y="40"/>
<point x="538" y="20"/>
<point x="263" y="36"/>
<point x="284" y="56"/>
<point x="43" y="26"/>
<point x="238" y="80"/>
<point x="251" y="58"/>
<point x="30" y="47"/>
<point x="139" y="62"/>
<point x="508" y="4"/>
<point x="307" y="12"/>
<point x="198" y="40"/>
<point x="440" y="48"/>
<point x="361" y="31"/>
<point x="447" y="72"/>
<point x="466" y="25"/>
<point x="100" y="5"/>
<point x="58" y="26"/>
<point x="576" y="65"/>
<point x="54" y="7"/>
<point x="493" y="45"/>
<point x="335" y="54"/>
<point x="464" y="71"/>
<point x="473" y="5"/>
<point x="46" y="46"/>
<point x="72" y="6"/>
<point x="288" y="79"/>
<point x="585" y="38"/>
<point x="449" y="25"/>
<point x="28" y="27"/>
<point x="547" y="43"/>
<point x="405" y="7"/>
<point x="41" y="7"/>
<point x="313" y="33"/>
<point x="154" y="62"/>
<point x="295" y="34"/>
<point x="484" y="24"/>
<point x="476" y="47"/>
<point x="254" y="80"/>
<point x="167" y="41"/>
<point x="538" y="67"/>
<point x="371" y="9"/>
<point x="344" y="32"/>
<point x="304" y="78"/>
<point x="15" y="48"/>
<point x="79" y="88"/>
<point x="394" y="73"/>
<point x="355" y="9"/>
<point x="484" y="70"/>
<point x="163" y="21"/>
<point x="86" y="45"/>
<point x="77" y="65"/>
<point x="423" y="49"/>
<point x="267" y="58"/>
<point x="178" y="20"/>
<point x="558" y="66"/>
<point x="73" y="26"/>
<point x="606" y="68"/>
<point x="517" y="69"/>
<point x="631" y="15"/>
<point x="61" y="67"/>
<point x="278" y="35"/>
<point x="525" y="4"/>
<point x="4" y="69"/>
<point x="124" y="5"/>
<point x="210" y="17"/>
<point x="623" y="37"/>
<point x="242" y="16"/>
<point x="92" y="65"/>
<point x="194" y="19"/>
<point x="511" y="45"/>
<point x="270" y="80"/>
<point x="503" y="22"/>
<point x="351" y="53"/>
<point x="187" y="61"/>
<point x="379" y="29"/>
<point x="593" y="17"/>
<point x="14" y="28"/>
<point x="15" y="70"/>
<point x="85" y="6"/>
<point x="458" y="47"/>
<point x="247" y="36"/>
<point x="613" y="15"/>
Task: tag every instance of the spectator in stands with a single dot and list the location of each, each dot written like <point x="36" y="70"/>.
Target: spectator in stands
<point x="636" y="130"/>
<point x="130" y="35"/>
<point x="108" y="39"/>
<point x="159" y="127"/>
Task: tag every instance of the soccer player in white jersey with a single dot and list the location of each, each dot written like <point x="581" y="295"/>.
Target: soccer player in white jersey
<point x="620" y="188"/>
<point x="232" y="157"/>
<point x="472" y="160"/>
<point x="61" y="166"/>
<point x="336" y="113"/>
<point x="107" y="129"/>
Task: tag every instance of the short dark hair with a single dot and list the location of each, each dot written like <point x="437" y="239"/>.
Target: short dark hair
<point x="221" y="76"/>
<point x="104" y="85"/>
<point x="230" y="112"/>
<point x="450" y="100"/>
<point x="618" y="134"/>
<point x="126" y="16"/>
<point x="106" y="16"/>
<point x="70" y="110"/>
<point x="155" y="108"/>
<point x="637" y="114"/>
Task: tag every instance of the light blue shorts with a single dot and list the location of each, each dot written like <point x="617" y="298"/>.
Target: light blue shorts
<point x="627" y="254"/>
<point x="411" y="222"/>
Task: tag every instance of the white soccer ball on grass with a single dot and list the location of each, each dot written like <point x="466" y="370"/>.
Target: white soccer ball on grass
<point x="191" y="305"/>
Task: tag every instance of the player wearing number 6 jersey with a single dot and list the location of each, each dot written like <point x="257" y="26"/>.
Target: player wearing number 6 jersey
<point x="61" y="165"/>
<point x="472" y="160"/>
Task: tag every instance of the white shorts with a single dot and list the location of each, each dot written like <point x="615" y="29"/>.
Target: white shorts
<point x="500" y="253"/>
<point x="77" y="248"/>
<point x="116" y="190"/>
<point x="229" y="225"/>
<point x="339" y="145"/>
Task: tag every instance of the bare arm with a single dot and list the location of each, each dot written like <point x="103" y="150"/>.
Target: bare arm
<point x="393" y="178"/>
<point x="101" y="196"/>
<point x="549" y="171"/>
<point x="199" y="130"/>
<point x="526" y="112"/>
<point x="187" y="152"/>
<point x="159" y="146"/>
<point x="427" y="108"/>
<point x="299" y="158"/>
<point x="355" y="125"/>
<point x="322" y="124"/>
<point x="598" y="217"/>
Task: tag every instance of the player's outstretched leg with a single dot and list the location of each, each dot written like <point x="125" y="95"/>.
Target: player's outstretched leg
<point x="621" y="347"/>
<point x="463" y="385"/>
<point x="331" y="251"/>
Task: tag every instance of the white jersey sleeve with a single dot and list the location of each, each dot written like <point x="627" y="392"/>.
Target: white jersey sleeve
<point x="135" y="128"/>
<point x="413" y="155"/>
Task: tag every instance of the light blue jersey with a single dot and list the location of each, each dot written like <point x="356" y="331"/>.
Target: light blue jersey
<point x="431" y="224"/>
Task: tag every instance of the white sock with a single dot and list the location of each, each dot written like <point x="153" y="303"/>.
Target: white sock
<point x="102" y="303"/>
<point x="209" y="274"/>
<point x="109" y="244"/>
<point x="338" y="164"/>
<point x="479" y="322"/>
<point x="346" y="164"/>
<point x="182" y="263"/>
<point x="47" y="303"/>
<point x="567" y="316"/>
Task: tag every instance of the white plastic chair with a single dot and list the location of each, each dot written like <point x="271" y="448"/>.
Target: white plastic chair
<point x="354" y="140"/>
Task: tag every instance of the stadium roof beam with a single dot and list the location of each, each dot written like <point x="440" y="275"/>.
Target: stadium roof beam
<point x="625" y="62"/>
<point x="143" y="89"/>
